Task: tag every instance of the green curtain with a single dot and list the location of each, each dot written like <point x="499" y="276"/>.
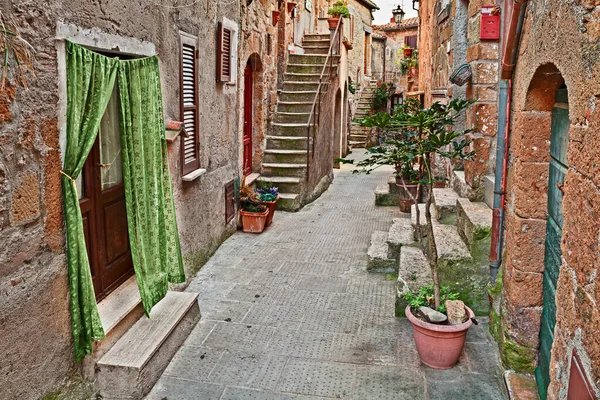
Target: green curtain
<point x="151" y="219"/>
<point x="90" y="80"/>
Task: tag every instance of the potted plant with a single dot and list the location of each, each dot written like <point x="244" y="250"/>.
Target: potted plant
<point x="347" y="43"/>
<point x="407" y="51"/>
<point x="268" y="195"/>
<point x="426" y="134"/>
<point x="276" y="16"/>
<point x="339" y="9"/>
<point x="254" y="217"/>
<point x="409" y="65"/>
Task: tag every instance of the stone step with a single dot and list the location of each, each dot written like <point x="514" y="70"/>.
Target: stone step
<point x="287" y="156"/>
<point x="488" y="187"/>
<point x="383" y="197"/>
<point x="134" y="364"/>
<point x="450" y="246"/>
<point x="520" y="386"/>
<point x="311" y="59"/>
<point x="357" y="144"/>
<point x="291" y="117"/>
<point x="298" y="95"/>
<point x="286" y="142"/>
<point x="295" y="106"/>
<point x="317" y="36"/>
<point x="320" y="42"/>
<point x="444" y="200"/>
<point x="284" y="169"/>
<point x="474" y="222"/>
<point x="308" y="68"/>
<point x="378" y="254"/>
<point x="358" y="138"/>
<point x="289" y="76"/>
<point x="289" y="202"/>
<point x="289" y="129"/>
<point x="294" y="86"/>
<point x="422" y="219"/>
<point x="413" y="272"/>
<point x="399" y="235"/>
<point x="460" y="185"/>
<point x="316" y="49"/>
<point x="284" y="184"/>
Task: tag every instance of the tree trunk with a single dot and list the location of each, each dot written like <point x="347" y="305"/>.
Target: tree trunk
<point x="433" y="256"/>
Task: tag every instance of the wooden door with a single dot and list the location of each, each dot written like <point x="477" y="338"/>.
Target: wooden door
<point x="248" y="119"/>
<point x="103" y="207"/>
<point x="552" y="257"/>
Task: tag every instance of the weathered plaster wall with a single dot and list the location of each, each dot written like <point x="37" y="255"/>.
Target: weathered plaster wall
<point x="36" y="340"/>
<point x="560" y="52"/>
<point x="356" y="57"/>
<point x="394" y="53"/>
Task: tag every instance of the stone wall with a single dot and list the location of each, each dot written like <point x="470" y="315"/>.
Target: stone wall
<point x="553" y="54"/>
<point x="393" y="52"/>
<point x="36" y="345"/>
<point x="362" y="31"/>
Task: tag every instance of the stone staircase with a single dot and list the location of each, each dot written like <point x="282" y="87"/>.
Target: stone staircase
<point x="284" y="162"/>
<point x="137" y="349"/>
<point x="462" y="230"/>
<point x="359" y="135"/>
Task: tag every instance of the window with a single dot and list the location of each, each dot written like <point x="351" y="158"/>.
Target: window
<point x="190" y="145"/>
<point x="411" y="41"/>
<point x="224" y="48"/>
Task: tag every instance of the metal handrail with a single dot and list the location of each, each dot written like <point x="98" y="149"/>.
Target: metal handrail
<point x="317" y="100"/>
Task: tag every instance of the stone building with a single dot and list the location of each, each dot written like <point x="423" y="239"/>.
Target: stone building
<point x="221" y="64"/>
<point x="361" y="37"/>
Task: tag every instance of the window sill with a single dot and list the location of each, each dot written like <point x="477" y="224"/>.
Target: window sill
<point x="193" y="175"/>
<point x="250" y="179"/>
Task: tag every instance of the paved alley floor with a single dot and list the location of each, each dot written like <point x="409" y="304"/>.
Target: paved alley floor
<point x="292" y="314"/>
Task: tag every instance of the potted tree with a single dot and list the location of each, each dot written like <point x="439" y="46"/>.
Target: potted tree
<point x="268" y="195"/>
<point x="429" y="134"/>
<point x="339" y="9"/>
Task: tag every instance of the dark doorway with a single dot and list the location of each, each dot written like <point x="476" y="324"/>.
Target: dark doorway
<point x="248" y="118"/>
<point x="102" y="201"/>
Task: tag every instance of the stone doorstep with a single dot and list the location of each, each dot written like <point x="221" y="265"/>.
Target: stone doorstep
<point x="422" y="219"/>
<point x="399" y="235"/>
<point x="133" y="365"/>
<point x="473" y="220"/>
<point x="450" y="246"/>
<point x="444" y="200"/>
<point x="379" y="254"/>
<point x="520" y="386"/>
<point x="413" y="272"/>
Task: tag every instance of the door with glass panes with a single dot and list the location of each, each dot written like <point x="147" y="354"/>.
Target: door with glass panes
<point x="102" y="202"/>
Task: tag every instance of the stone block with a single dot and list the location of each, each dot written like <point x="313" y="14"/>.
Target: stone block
<point x="483" y="93"/>
<point x="392" y="185"/>
<point x="25" y="203"/>
<point x="378" y="254"/>
<point x="400" y="234"/>
<point x="530" y="137"/>
<point x="485" y="119"/>
<point x="460" y="185"/>
<point x="474" y="222"/>
<point x="522" y="324"/>
<point x="525" y="242"/>
<point x="476" y="168"/>
<point x="422" y="219"/>
<point x="522" y="289"/>
<point x="483" y="51"/>
<point x="383" y="197"/>
<point x="530" y="189"/>
<point x="444" y="201"/>
<point x="485" y="72"/>
<point x="413" y="272"/>
<point x="488" y="190"/>
<point x="520" y="386"/>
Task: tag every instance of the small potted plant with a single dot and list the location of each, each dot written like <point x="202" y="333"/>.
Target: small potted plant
<point x="339" y="9"/>
<point x="347" y="43"/>
<point x="268" y="195"/>
<point x="407" y="51"/>
<point x="254" y="217"/>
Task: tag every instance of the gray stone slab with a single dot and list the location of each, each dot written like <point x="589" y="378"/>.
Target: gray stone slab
<point x="318" y="284"/>
<point x="179" y="389"/>
<point x="270" y="279"/>
<point x="364" y="349"/>
<point x="454" y="384"/>
<point x="473" y="220"/>
<point x="276" y="316"/>
<point x="331" y="321"/>
<point x="252" y="370"/>
<point x="482" y="358"/>
<point x="234" y="393"/>
<point x="449" y="244"/>
<point x="224" y="310"/>
<point x="379" y="254"/>
<point x="193" y="362"/>
<point x="298" y="298"/>
<point x="318" y="378"/>
<point x="303" y="344"/>
<point x="389" y="383"/>
<point x="376" y="305"/>
<point x="413" y="272"/>
<point x="200" y="332"/>
<point x="228" y="335"/>
<point x="400" y="234"/>
<point x="444" y="200"/>
<point x="376" y="285"/>
<point x="383" y="197"/>
<point x="248" y="293"/>
<point x="488" y="187"/>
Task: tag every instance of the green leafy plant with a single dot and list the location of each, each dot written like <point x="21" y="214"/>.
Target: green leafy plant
<point x="253" y="207"/>
<point x="406" y="63"/>
<point x="380" y="97"/>
<point x="339" y="9"/>
<point x="352" y="86"/>
<point x="426" y="298"/>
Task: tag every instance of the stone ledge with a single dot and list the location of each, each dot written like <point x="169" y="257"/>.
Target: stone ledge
<point x="193" y="175"/>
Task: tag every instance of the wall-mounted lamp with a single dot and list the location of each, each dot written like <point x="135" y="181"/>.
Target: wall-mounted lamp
<point x="398" y="14"/>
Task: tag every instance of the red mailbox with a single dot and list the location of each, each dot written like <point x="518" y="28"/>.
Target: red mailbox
<point x="490" y="23"/>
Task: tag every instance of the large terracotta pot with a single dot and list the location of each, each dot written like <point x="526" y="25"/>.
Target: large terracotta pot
<point x="333" y="22"/>
<point x="439" y="346"/>
<point x="254" y="222"/>
<point x="271" y="206"/>
<point x="404" y="201"/>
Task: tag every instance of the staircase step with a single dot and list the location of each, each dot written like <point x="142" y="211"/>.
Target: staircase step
<point x="317" y="36"/>
<point x="422" y="219"/>
<point x="311" y="59"/>
<point x="284" y="169"/>
<point x="378" y="254"/>
<point x="289" y="202"/>
<point x="383" y="197"/>
<point x="399" y="235"/>
<point x="285" y="184"/>
<point x="290" y="76"/>
<point x="473" y="220"/>
<point x="308" y="68"/>
<point x="357" y="144"/>
<point x="291" y="117"/>
<point x="289" y="129"/>
<point x="460" y="185"/>
<point x="286" y="142"/>
<point x="316" y="49"/>
<point x="450" y="246"/>
<point x="293" y="86"/>
<point x="295" y="106"/>
<point x="134" y="364"/>
<point x="413" y="272"/>
<point x="298" y="95"/>
<point x="286" y="156"/>
<point x="444" y="200"/>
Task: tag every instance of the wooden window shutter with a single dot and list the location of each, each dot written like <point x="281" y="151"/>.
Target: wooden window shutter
<point x="224" y="54"/>
<point x="410" y="41"/>
<point x="190" y="143"/>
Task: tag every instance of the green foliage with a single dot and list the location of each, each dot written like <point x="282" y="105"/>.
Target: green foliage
<point x="253" y="207"/>
<point x="339" y="9"/>
<point x="380" y="97"/>
<point x="406" y="63"/>
<point x="425" y="298"/>
<point x="352" y="86"/>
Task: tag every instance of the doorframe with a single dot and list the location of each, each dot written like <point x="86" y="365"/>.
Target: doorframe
<point x="248" y="128"/>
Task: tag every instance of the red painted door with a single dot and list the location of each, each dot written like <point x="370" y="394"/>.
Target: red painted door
<point x="248" y="85"/>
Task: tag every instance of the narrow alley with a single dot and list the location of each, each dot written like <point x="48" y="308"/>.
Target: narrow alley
<point x="293" y="313"/>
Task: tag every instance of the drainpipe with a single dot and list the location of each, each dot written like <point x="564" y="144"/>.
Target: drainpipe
<point x="509" y="57"/>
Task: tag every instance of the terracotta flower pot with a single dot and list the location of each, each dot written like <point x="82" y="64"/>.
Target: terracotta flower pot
<point x="271" y="207"/>
<point x="290" y="6"/>
<point x="439" y="346"/>
<point x="404" y="201"/>
<point x="276" y="15"/>
<point x="407" y="52"/>
<point x="333" y="22"/>
<point x="254" y="222"/>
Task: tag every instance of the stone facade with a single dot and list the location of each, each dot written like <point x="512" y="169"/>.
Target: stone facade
<point x="36" y="345"/>
<point x="552" y="56"/>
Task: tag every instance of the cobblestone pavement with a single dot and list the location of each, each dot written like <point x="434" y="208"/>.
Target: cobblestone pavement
<point x="293" y="314"/>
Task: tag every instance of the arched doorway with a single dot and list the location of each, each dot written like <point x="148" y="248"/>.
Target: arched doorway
<point x="248" y="119"/>
<point x="254" y="111"/>
<point x="337" y="129"/>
